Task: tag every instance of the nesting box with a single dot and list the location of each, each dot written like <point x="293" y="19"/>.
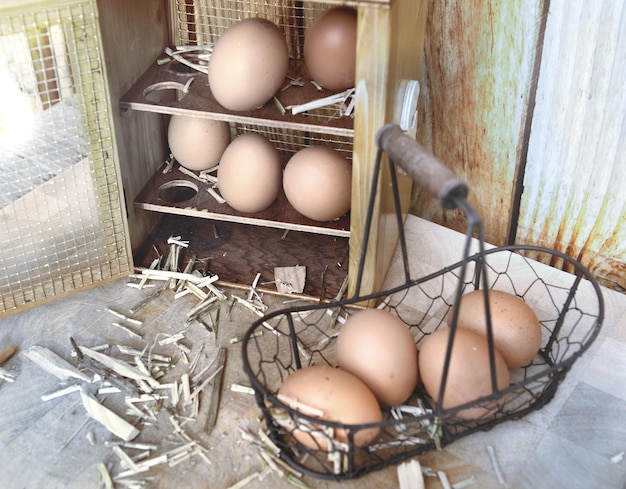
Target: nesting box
<point x="238" y="244"/>
<point x="113" y="57"/>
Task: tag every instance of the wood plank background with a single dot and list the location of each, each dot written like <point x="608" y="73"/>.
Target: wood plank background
<point x="383" y="62"/>
<point x="535" y="125"/>
<point x="476" y="86"/>
<point x="574" y="199"/>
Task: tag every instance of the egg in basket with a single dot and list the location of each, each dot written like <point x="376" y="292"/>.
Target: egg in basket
<point x="353" y="386"/>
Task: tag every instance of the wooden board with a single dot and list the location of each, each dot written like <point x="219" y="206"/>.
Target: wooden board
<point x="479" y="61"/>
<point x="382" y="42"/>
<point x="241" y="251"/>
<point x="574" y="198"/>
<point x="199" y="101"/>
<point x="134" y="34"/>
<point x="176" y="193"/>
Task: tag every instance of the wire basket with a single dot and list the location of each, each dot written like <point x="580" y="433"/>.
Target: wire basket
<point x="570" y="315"/>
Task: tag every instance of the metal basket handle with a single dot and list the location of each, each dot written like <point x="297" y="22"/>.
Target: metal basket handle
<point x="423" y="168"/>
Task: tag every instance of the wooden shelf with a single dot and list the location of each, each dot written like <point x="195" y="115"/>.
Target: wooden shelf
<point x="237" y="252"/>
<point x="145" y="95"/>
<point x="176" y="193"/>
<point x="384" y="61"/>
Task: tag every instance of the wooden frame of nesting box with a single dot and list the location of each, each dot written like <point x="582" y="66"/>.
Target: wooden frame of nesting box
<point x="390" y="36"/>
<point x="61" y="208"/>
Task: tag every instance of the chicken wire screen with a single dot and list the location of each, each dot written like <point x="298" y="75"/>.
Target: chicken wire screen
<point x="62" y="215"/>
<point x="203" y="21"/>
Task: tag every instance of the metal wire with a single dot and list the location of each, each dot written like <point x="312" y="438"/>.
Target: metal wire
<point x="570" y="315"/>
<point x="199" y="22"/>
<point x="61" y="210"/>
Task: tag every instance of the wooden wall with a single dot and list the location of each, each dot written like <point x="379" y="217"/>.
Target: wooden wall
<point x="574" y="196"/>
<point x="134" y="35"/>
<point x="525" y="101"/>
<point x="473" y="109"/>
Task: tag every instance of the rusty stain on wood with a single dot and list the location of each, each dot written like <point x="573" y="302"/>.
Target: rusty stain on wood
<point x="573" y="197"/>
<point x="472" y="112"/>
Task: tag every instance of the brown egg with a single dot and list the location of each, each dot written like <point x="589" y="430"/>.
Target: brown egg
<point x="249" y="176"/>
<point x="318" y="183"/>
<point x="334" y="395"/>
<point x="469" y="374"/>
<point x="197" y="143"/>
<point x="516" y="329"/>
<point x="248" y="64"/>
<point x="378" y="348"/>
<point x="330" y="48"/>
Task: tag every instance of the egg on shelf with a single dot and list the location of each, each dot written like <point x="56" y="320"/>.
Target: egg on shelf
<point x="515" y="327"/>
<point x="248" y="64"/>
<point x="318" y="183"/>
<point x="331" y="394"/>
<point x="330" y="48"/>
<point x="469" y="374"/>
<point x="250" y="173"/>
<point x="378" y="348"/>
<point x="197" y="143"/>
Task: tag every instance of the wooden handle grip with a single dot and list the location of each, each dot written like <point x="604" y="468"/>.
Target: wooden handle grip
<point x="423" y="168"/>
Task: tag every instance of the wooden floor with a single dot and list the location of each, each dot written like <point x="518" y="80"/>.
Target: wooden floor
<point x="573" y="442"/>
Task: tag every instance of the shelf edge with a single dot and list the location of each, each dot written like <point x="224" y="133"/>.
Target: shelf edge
<point x="288" y="226"/>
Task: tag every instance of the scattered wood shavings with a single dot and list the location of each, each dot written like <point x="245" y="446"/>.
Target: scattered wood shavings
<point x="253" y="295"/>
<point x="243" y="389"/>
<point x="135" y="322"/>
<point x="410" y="475"/>
<point x="145" y="301"/>
<point x="290" y="280"/>
<point x="213" y="192"/>
<point x="111" y="421"/>
<point x="269" y="454"/>
<point x="443" y="478"/>
<point x="60" y="393"/>
<point x="338" y="98"/>
<point x="245" y="481"/>
<point x="7" y="376"/>
<point x="470" y="481"/>
<point x="126" y="329"/>
<point x="178" y="56"/>
<point x="238" y="339"/>
<point x="279" y="106"/>
<point x="54" y="364"/>
<point x="617" y="458"/>
<point x="496" y="466"/>
<point x="191" y="174"/>
<point x="215" y="391"/>
<point x="119" y="366"/>
<point x="105" y="478"/>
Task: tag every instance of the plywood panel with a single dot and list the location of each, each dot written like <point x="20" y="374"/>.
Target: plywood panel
<point x="479" y="59"/>
<point x="134" y="34"/>
<point x="574" y="198"/>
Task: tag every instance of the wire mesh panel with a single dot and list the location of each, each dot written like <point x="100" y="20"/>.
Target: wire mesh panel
<point x="570" y="313"/>
<point x="318" y="440"/>
<point x="61" y="210"/>
<point x="203" y="21"/>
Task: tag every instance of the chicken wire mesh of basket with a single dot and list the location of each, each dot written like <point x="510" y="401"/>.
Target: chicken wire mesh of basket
<point x="569" y="307"/>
